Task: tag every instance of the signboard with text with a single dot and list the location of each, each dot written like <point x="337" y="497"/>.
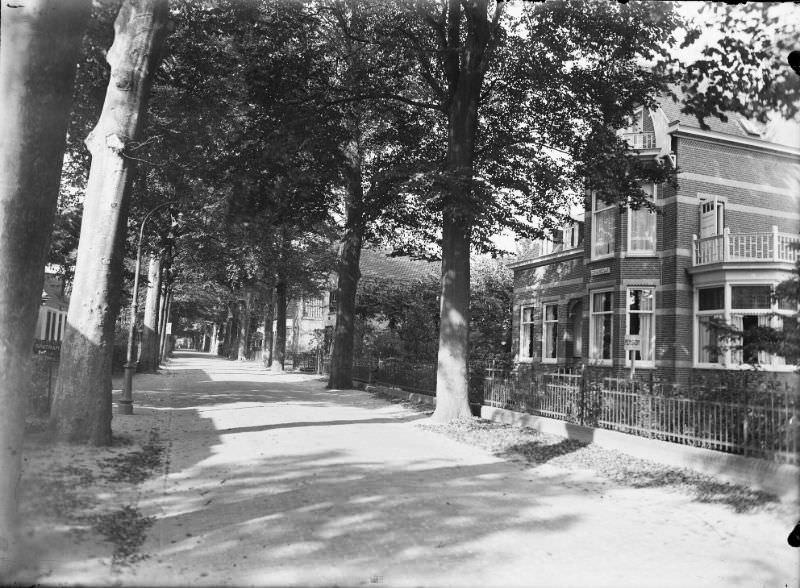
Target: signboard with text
<point x="633" y="343"/>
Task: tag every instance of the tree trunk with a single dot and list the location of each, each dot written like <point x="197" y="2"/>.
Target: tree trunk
<point x="269" y="318"/>
<point x="233" y="347"/>
<point x="166" y="349"/>
<point x="279" y="352"/>
<point x="38" y="53"/>
<point x="81" y="409"/>
<point x="465" y="72"/>
<point x="151" y="342"/>
<point x="341" y="369"/>
<point x="212" y="348"/>
<point x="244" y="327"/>
<point x="166" y="296"/>
<point x="452" y="373"/>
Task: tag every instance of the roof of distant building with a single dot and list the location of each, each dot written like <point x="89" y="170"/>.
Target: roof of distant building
<point x="377" y="263"/>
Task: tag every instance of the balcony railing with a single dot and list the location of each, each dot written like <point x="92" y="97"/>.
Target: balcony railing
<point x="641" y="140"/>
<point x="729" y="247"/>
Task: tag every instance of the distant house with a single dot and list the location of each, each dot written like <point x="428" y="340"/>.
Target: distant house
<point x="52" y="319"/>
<point x="310" y="321"/>
<point x="620" y="285"/>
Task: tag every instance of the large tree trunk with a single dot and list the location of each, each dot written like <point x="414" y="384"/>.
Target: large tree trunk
<point x="151" y="342"/>
<point x="244" y="327"/>
<point x="466" y="69"/>
<point x="452" y="373"/>
<point x="341" y="368"/>
<point x="279" y="352"/>
<point x="40" y="47"/>
<point x="212" y="347"/>
<point x="81" y="409"/>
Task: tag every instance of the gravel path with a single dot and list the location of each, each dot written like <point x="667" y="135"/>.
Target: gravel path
<point x="273" y="480"/>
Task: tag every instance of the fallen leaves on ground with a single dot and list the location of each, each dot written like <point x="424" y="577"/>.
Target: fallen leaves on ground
<point x="537" y="448"/>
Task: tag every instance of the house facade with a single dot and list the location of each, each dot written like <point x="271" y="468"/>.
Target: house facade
<point x="621" y="287"/>
<point x="51" y="321"/>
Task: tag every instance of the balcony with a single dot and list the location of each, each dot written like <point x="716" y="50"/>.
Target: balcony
<point x="770" y="246"/>
<point x="640" y="140"/>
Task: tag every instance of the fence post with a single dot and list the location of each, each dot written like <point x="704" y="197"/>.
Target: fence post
<point x="582" y="405"/>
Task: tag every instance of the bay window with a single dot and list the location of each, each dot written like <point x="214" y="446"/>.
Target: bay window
<point x="744" y="307"/>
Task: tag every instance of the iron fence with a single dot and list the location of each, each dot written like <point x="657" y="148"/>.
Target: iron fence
<point x="760" y="422"/>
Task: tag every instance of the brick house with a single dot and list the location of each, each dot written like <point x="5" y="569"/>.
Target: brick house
<point x="718" y="246"/>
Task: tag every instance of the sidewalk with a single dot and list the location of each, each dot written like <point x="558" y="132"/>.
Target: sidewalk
<point x="274" y="480"/>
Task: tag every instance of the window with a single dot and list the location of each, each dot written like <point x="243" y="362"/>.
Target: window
<point x="749" y="307"/>
<point x="603" y="226"/>
<point x="526" y="334"/>
<point x="600" y="331"/>
<point x="575" y="321"/>
<point x="550" y="333"/>
<point x="710" y="305"/>
<point x="641" y="322"/>
<point x="642" y="227"/>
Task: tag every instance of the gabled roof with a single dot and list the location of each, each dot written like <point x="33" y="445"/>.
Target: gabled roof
<point x="673" y="112"/>
<point x="736" y="125"/>
<point x="377" y="264"/>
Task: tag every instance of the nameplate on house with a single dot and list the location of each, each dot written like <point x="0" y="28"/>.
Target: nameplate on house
<point x="600" y="271"/>
<point x="633" y="343"/>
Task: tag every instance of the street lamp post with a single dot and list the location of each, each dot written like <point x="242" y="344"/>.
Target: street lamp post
<point x="126" y="402"/>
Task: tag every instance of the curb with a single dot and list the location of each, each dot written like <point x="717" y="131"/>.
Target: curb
<point x="782" y="480"/>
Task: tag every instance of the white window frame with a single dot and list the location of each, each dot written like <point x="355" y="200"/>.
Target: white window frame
<point x="576" y="325"/>
<point x="529" y="344"/>
<point x="592" y="335"/>
<point x="545" y="339"/>
<point x="727" y="360"/>
<point x="714" y="312"/>
<point x="595" y="213"/>
<point x="652" y="314"/>
<point x="631" y="213"/>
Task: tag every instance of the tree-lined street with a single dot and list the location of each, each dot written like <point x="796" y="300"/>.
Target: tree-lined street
<point x="274" y="480"/>
<point x="215" y="172"/>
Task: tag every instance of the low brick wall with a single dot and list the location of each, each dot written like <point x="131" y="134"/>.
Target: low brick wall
<point x="782" y="480"/>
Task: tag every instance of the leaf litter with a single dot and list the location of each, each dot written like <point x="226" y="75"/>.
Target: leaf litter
<point x="512" y="442"/>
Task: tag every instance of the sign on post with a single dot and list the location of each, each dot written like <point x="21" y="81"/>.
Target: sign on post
<point x="633" y="343"/>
